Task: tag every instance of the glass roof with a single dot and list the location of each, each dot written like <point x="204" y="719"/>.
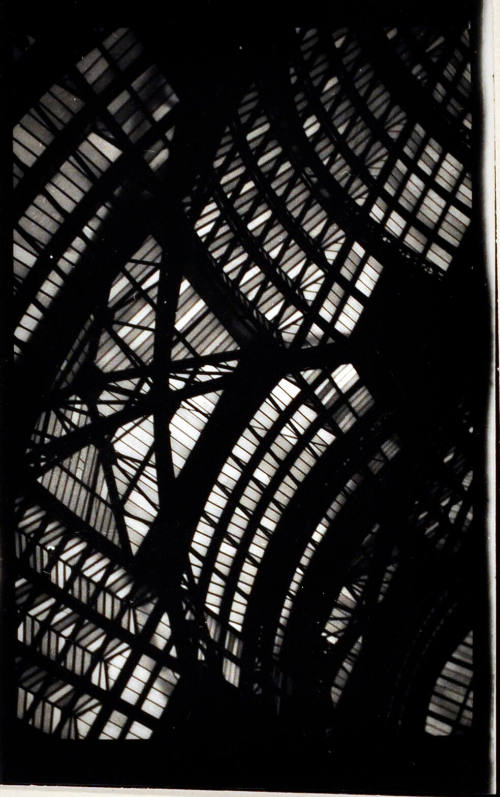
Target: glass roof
<point x="215" y="397"/>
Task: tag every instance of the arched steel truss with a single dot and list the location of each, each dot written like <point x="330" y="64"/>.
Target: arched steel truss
<point x="249" y="428"/>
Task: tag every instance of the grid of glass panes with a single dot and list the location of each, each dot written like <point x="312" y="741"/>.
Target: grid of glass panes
<point x="386" y="452"/>
<point x="307" y="555"/>
<point x="120" y="500"/>
<point x="288" y="428"/>
<point x="451" y="705"/>
<point x="419" y="192"/>
<point x="117" y="499"/>
<point x="128" y="104"/>
<point x="441" y="65"/>
<point x="343" y="673"/>
<point x="268" y="233"/>
<point x="81" y="610"/>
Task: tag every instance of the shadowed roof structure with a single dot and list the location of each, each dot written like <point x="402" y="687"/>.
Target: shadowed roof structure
<point x="249" y="388"/>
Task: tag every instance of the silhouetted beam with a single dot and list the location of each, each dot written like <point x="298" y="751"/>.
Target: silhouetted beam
<point x="74" y="132"/>
<point x="450" y="48"/>
<point x="300" y="518"/>
<point x="415" y="100"/>
<point x="107" y="699"/>
<point x="343" y="456"/>
<point x="335" y="201"/>
<point x="425" y="595"/>
<point x="111" y="626"/>
<point x="47" y="61"/>
<point x="60" y="448"/>
<point x="376" y="127"/>
<point x="279" y="209"/>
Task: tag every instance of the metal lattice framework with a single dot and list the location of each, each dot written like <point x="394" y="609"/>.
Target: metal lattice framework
<point x="244" y="304"/>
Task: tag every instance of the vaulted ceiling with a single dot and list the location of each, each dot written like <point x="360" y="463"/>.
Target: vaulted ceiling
<point x="249" y="383"/>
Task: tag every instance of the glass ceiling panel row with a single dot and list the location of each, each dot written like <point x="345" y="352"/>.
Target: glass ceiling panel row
<point x="147" y="369"/>
<point x="451" y="706"/>
<point x="127" y="125"/>
<point x="289" y="433"/>
<point x="417" y="190"/>
<point x="83" y="613"/>
<point x="270" y="236"/>
<point x="387" y="452"/>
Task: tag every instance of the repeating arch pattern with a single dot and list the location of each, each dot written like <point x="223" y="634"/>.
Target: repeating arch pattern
<point x="225" y="454"/>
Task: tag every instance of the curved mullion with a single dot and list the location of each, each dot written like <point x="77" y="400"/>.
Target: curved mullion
<point x="409" y="92"/>
<point x="295" y="232"/>
<point x="65" y="142"/>
<point x="387" y="249"/>
<point x="235" y="494"/>
<point x="124" y="675"/>
<point x="339" y="141"/>
<point x="376" y="126"/>
<point x="281" y="282"/>
<point x="374" y="185"/>
<point x="273" y="598"/>
<point x="199" y="194"/>
<point x="263" y="502"/>
<point x="63" y="237"/>
<point x="75" y="220"/>
<point x="345" y="532"/>
<point x="46" y="61"/>
<point x="270" y="592"/>
<point x="217" y="176"/>
<point x="436" y="68"/>
<point x="281" y="214"/>
<point x="46" y="625"/>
